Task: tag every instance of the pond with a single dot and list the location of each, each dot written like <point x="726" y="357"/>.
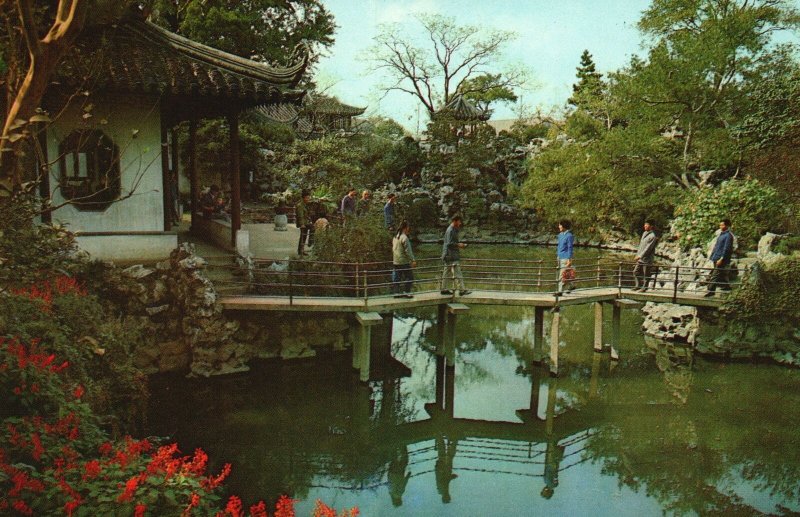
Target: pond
<point x="494" y="434"/>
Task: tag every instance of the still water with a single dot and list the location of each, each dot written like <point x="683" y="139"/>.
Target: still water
<point x="657" y="432"/>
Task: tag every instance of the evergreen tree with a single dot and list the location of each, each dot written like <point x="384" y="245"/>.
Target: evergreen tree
<point x="589" y="85"/>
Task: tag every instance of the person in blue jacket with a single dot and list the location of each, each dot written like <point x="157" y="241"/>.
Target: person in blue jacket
<point x="721" y="257"/>
<point x="566" y="243"/>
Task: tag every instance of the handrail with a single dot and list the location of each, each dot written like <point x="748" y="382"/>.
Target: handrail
<point x="363" y="280"/>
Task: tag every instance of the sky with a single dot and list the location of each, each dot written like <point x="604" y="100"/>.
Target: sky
<point x="550" y="39"/>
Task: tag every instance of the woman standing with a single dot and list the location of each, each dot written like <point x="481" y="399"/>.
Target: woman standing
<point x="402" y="260"/>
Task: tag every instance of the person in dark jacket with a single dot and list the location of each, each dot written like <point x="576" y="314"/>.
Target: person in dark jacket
<point x="721" y="257"/>
<point x="451" y="257"/>
<point x="348" y="205"/>
<point x="388" y="212"/>
<point x="645" y="256"/>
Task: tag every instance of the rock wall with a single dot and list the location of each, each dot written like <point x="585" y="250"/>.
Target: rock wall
<point x="177" y="308"/>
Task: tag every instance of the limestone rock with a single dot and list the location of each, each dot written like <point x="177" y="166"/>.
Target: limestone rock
<point x="138" y="272"/>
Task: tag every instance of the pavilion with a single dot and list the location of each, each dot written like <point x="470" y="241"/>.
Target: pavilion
<point x="112" y="145"/>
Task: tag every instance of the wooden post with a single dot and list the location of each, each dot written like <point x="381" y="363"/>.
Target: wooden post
<point x="598" y="271"/>
<point x="598" y="326"/>
<point x="554" y="340"/>
<point x="615" y="321"/>
<point x="236" y="179"/>
<point x="193" y="179"/>
<point x="175" y="178"/>
<point x="538" y="334"/>
<point x="165" y="183"/>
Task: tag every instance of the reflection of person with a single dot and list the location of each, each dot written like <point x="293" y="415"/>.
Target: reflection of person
<point x="554" y="452"/>
<point x="303" y="220"/>
<point x="644" y="256"/>
<point x="451" y="257"/>
<point x="402" y="261"/>
<point x="397" y="476"/>
<point x="721" y="257"/>
<point x="566" y="242"/>
<point x="446" y="453"/>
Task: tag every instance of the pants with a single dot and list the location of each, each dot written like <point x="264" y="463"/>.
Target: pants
<point x="452" y="270"/>
<point x="720" y="276"/>
<point x="301" y="246"/>
<point x="562" y="265"/>
<point x="642" y="273"/>
<point x="402" y="279"/>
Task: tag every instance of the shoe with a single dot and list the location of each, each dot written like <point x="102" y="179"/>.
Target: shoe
<point x="557" y="293"/>
<point x="708" y="294"/>
<point x="446" y="291"/>
<point x="637" y="289"/>
<point x="408" y="295"/>
<point x="399" y="296"/>
<point x="464" y="293"/>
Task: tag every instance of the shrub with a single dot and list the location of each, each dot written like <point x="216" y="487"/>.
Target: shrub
<point x="767" y="294"/>
<point x="752" y="207"/>
<point x="423" y="213"/>
<point x="361" y="239"/>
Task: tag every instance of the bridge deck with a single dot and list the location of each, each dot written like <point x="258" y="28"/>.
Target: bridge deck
<point x="386" y="303"/>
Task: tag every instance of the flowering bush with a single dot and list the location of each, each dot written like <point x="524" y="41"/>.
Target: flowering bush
<point x="55" y="458"/>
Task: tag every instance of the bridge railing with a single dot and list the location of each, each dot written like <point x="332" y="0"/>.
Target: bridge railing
<point x="291" y="278"/>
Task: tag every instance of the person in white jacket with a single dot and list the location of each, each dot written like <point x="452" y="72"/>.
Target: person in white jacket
<point x="402" y="260"/>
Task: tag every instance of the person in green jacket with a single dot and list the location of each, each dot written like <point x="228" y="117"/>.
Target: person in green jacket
<point x="402" y="260"/>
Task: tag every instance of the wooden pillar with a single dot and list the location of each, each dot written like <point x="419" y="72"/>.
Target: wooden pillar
<point x="554" y="340"/>
<point x="176" y="160"/>
<point x="235" y="176"/>
<point x="166" y="188"/>
<point x="615" y="322"/>
<point x="194" y="181"/>
<point x="355" y="339"/>
<point x="538" y="335"/>
<point x="453" y="309"/>
<point x="598" y="326"/>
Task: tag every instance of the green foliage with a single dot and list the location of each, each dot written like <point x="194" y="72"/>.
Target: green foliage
<point x="590" y="83"/>
<point x="331" y="162"/>
<point x="487" y="89"/>
<point x="30" y="251"/>
<point x="581" y="126"/>
<point x="360" y="239"/>
<point x="768" y="295"/>
<point x="752" y="207"/>
<point x="787" y="245"/>
<point x="422" y="213"/>
<point x="611" y="183"/>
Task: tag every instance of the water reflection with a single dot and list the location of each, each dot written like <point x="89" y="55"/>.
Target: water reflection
<point x="460" y="421"/>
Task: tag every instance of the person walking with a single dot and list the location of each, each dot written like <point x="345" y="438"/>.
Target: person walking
<point x="564" y="253"/>
<point x="362" y="207"/>
<point x="348" y="204"/>
<point x="645" y="256"/>
<point x="402" y="261"/>
<point x="451" y="256"/>
<point x="302" y="220"/>
<point x="721" y="257"/>
<point x="388" y="212"/>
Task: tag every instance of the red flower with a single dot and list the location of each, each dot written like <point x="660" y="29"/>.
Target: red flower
<point x="193" y="502"/>
<point x="213" y="482"/>
<point x="78" y="392"/>
<point x="139" y="510"/>
<point x="71" y="506"/>
<point x="259" y="510"/>
<point x="21" y="507"/>
<point x="91" y="469"/>
<point x="38" y="449"/>
<point x="234" y="507"/>
<point x="285" y="507"/>
<point x="106" y="449"/>
<point x="130" y="488"/>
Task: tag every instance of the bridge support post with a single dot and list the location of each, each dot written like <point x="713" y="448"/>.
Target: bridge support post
<point x="615" y="323"/>
<point x="362" y="346"/>
<point x="441" y="325"/>
<point x="538" y="335"/>
<point x="598" y="326"/>
<point x="554" y="340"/>
<point x="453" y="310"/>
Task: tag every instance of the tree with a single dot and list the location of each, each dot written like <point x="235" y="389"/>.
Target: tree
<point x="590" y="82"/>
<point x="451" y="55"/>
<point x="700" y="52"/>
<point x="261" y="30"/>
<point x="486" y="89"/>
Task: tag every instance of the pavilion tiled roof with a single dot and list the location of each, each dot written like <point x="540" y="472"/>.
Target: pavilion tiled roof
<point x="460" y="108"/>
<point x="137" y="56"/>
<point x="326" y="105"/>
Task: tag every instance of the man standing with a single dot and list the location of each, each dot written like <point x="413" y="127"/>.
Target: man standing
<point x="402" y="261"/>
<point x="566" y="242"/>
<point x="388" y="212"/>
<point x="348" y="206"/>
<point x="302" y="220"/>
<point x="644" y="256"/>
<point x="363" y="204"/>
<point x="721" y="257"/>
<point x="451" y="256"/>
